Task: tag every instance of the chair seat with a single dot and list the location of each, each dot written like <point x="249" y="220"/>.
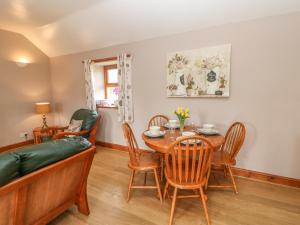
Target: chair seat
<point x="147" y="160"/>
<point x="221" y="158"/>
<point x="186" y="185"/>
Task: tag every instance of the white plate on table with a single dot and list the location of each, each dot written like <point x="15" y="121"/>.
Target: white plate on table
<point x="151" y="135"/>
<point x="207" y="131"/>
<point x="188" y="134"/>
<point x="167" y="125"/>
<point x="190" y="141"/>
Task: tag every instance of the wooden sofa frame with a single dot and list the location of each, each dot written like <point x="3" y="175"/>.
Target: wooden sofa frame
<point x="40" y="196"/>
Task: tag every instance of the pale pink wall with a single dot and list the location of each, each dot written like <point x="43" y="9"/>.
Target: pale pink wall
<point x="265" y="92"/>
<point x="20" y="88"/>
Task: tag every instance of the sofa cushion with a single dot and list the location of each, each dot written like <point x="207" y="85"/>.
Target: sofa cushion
<point x="34" y="157"/>
<point x="88" y="116"/>
<point x="9" y="167"/>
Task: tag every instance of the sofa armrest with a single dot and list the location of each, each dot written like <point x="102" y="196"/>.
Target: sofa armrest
<point x="63" y="134"/>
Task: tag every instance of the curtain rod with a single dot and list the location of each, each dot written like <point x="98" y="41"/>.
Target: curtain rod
<point x="106" y="59"/>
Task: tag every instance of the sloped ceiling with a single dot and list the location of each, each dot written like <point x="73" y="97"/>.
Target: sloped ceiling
<point x="60" y="27"/>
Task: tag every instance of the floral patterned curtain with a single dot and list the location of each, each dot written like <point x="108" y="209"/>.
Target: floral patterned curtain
<point x="89" y="85"/>
<point x="125" y="103"/>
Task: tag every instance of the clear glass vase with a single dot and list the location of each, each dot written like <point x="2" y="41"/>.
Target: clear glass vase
<point x="181" y="123"/>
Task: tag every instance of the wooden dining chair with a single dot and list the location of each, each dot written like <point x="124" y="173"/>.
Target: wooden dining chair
<point x="158" y="120"/>
<point x="141" y="161"/>
<point x="187" y="167"/>
<point x="225" y="158"/>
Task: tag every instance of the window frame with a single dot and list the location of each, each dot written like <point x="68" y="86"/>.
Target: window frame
<point x="100" y="61"/>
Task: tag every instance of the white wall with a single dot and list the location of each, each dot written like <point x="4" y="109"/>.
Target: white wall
<point x="265" y="91"/>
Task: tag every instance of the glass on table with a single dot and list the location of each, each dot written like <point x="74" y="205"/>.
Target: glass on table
<point x="172" y="133"/>
<point x="192" y="125"/>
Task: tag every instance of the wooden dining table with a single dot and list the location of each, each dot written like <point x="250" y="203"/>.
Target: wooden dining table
<point x="162" y="144"/>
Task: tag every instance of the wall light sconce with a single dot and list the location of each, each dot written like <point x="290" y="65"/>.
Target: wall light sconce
<point x="22" y="62"/>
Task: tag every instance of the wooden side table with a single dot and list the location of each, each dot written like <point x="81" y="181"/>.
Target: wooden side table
<point x="39" y="133"/>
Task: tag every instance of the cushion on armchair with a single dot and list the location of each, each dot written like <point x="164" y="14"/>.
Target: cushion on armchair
<point x="34" y="157"/>
<point x="9" y="167"/>
<point x="74" y="126"/>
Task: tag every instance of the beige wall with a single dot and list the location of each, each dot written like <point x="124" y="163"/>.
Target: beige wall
<point x="265" y="91"/>
<point x="20" y="88"/>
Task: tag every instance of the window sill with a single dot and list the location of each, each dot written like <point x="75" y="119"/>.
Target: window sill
<point x="106" y="107"/>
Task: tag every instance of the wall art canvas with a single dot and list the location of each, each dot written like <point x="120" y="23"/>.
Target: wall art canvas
<point x="201" y="72"/>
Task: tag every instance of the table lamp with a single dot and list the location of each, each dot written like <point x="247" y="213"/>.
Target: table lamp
<point x="43" y="108"/>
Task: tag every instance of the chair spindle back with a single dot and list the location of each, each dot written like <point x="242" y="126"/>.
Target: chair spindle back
<point x="132" y="145"/>
<point x="234" y="139"/>
<point x="158" y="120"/>
<point x="189" y="163"/>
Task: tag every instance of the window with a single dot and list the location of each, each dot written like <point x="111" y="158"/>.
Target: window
<point x="105" y="78"/>
<point x="111" y="82"/>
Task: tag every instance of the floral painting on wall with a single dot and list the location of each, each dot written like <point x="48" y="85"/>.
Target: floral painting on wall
<point x="201" y="72"/>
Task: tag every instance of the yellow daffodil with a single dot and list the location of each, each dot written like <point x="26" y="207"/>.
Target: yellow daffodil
<point x="179" y="110"/>
<point x="182" y="114"/>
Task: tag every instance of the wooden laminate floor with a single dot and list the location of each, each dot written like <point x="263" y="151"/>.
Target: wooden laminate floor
<point x="257" y="203"/>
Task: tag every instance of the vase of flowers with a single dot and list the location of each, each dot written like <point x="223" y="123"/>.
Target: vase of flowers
<point x="182" y="114"/>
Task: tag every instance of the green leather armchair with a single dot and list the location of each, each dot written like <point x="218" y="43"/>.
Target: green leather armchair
<point x="88" y="130"/>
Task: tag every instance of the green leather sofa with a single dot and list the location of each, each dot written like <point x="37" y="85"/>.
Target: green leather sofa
<point x="30" y="158"/>
<point x="9" y="167"/>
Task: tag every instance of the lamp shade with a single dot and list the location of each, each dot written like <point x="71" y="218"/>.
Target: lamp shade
<point x="42" y="107"/>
